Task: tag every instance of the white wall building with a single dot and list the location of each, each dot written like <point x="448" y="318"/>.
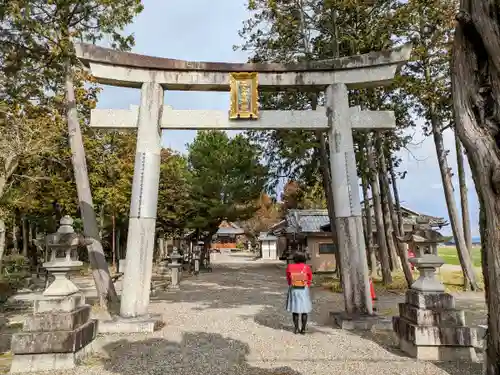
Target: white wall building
<point x="268" y="246"/>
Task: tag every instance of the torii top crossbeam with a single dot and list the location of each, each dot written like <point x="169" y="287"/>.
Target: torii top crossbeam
<point x="127" y="69"/>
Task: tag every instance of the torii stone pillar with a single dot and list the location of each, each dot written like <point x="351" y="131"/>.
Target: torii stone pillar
<point x="348" y="219"/>
<point x="142" y="221"/>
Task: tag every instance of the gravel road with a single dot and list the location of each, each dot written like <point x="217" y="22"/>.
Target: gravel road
<point x="232" y="321"/>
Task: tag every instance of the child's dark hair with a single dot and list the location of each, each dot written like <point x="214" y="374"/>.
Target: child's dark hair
<point x="299" y="257"/>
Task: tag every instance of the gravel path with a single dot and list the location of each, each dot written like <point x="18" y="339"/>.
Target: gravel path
<point x="231" y="321"/>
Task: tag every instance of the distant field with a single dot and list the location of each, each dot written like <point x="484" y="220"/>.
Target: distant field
<point x="449" y="254"/>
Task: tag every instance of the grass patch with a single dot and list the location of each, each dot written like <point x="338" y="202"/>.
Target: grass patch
<point x="450" y="256"/>
<point x="452" y="280"/>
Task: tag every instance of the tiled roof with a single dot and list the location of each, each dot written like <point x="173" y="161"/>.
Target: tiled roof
<point x="313" y="220"/>
<point x="264" y="236"/>
<point x="306" y="220"/>
<point x="229" y="230"/>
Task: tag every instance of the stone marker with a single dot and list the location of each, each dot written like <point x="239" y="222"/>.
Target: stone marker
<point x="59" y="332"/>
<point x="196" y="257"/>
<point x="429" y="327"/>
<point x="161" y="280"/>
<point x="175" y="267"/>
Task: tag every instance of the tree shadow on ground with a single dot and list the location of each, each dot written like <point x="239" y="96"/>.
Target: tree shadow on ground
<point x="277" y="318"/>
<point x="387" y="340"/>
<point x="461" y="368"/>
<point x="196" y="353"/>
<point x="229" y="287"/>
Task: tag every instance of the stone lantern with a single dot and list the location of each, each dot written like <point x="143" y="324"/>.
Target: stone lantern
<point x="59" y="332"/>
<point x="429" y="326"/>
<point x="175" y="268"/>
<point x="63" y="258"/>
<point x="196" y="258"/>
<point x="426" y="259"/>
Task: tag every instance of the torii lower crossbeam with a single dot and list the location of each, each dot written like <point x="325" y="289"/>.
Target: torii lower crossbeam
<point x="121" y="119"/>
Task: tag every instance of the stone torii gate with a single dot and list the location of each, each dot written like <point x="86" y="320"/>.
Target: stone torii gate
<point x="153" y="75"/>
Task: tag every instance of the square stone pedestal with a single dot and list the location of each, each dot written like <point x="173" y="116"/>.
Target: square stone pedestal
<point x="360" y="322"/>
<point x="55" y="337"/>
<point x="141" y="324"/>
<point x="429" y="327"/>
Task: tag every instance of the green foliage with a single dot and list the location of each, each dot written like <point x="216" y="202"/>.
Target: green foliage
<point x="15" y="266"/>
<point x="226" y="178"/>
<point x="12" y="275"/>
<point x="35" y="45"/>
<point x="283" y="31"/>
<point x="425" y="81"/>
<point x="174" y="196"/>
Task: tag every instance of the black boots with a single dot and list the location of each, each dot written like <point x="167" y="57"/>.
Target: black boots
<point x="295" y="318"/>
<point x="304" y="323"/>
<point x="303" y="319"/>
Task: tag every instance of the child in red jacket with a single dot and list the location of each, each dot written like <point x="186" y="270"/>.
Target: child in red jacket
<point x="298" y="302"/>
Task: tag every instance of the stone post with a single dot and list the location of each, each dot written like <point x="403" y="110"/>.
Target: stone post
<point x="142" y="222"/>
<point x="175" y="266"/>
<point x="196" y="258"/>
<point x="60" y="331"/>
<point x="348" y="219"/>
<point x="160" y="280"/>
<point x="429" y="327"/>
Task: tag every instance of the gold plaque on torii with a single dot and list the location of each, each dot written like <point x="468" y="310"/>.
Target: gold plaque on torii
<point x="244" y="96"/>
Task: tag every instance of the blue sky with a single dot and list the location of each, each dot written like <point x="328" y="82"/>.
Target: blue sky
<point x="206" y="30"/>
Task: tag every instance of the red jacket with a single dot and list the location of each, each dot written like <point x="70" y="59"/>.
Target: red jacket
<point x="298" y="267"/>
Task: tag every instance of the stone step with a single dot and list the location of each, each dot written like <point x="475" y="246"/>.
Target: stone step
<point x="430" y="300"/>
<point x="434" y="317"/>
<point x="54" y="341"/>
<point x="434" y="336"/>
<point x="60" y="321"/>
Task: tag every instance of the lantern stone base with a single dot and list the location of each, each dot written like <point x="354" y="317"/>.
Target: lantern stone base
<point x="438" y="353"/>
<point x="141" y="324"/>
<point x="26" y="363"/>
<point x="57" y="336"/>
<point x="430" y="328"/>
<point x="360" y="322"/>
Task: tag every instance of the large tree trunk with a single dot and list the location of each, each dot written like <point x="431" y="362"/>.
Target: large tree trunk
<point x="397" y="201"/>
<point x="402" y="248"/>
<point x="372" y="259"/>
<point x="463" y="253"/>
<point x="437" y="132"/>
<point x="324" y="166"/>
<point x="101" y="222"/>
<point x="476" y="99"/>
<point x="386" y="212"/>
<point x="403" y="255"/>
<point x="113" y="240"/>
<point x="388" y="230"/>
<point x="377" y="211"/>
<point x="118" y="247"/>
<point x="464" y="201"/>
<point x="2" y="242"/>
<point x="25" y="236"/>
<point x="15" y="244"/>
<point x="100" y="270"/>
